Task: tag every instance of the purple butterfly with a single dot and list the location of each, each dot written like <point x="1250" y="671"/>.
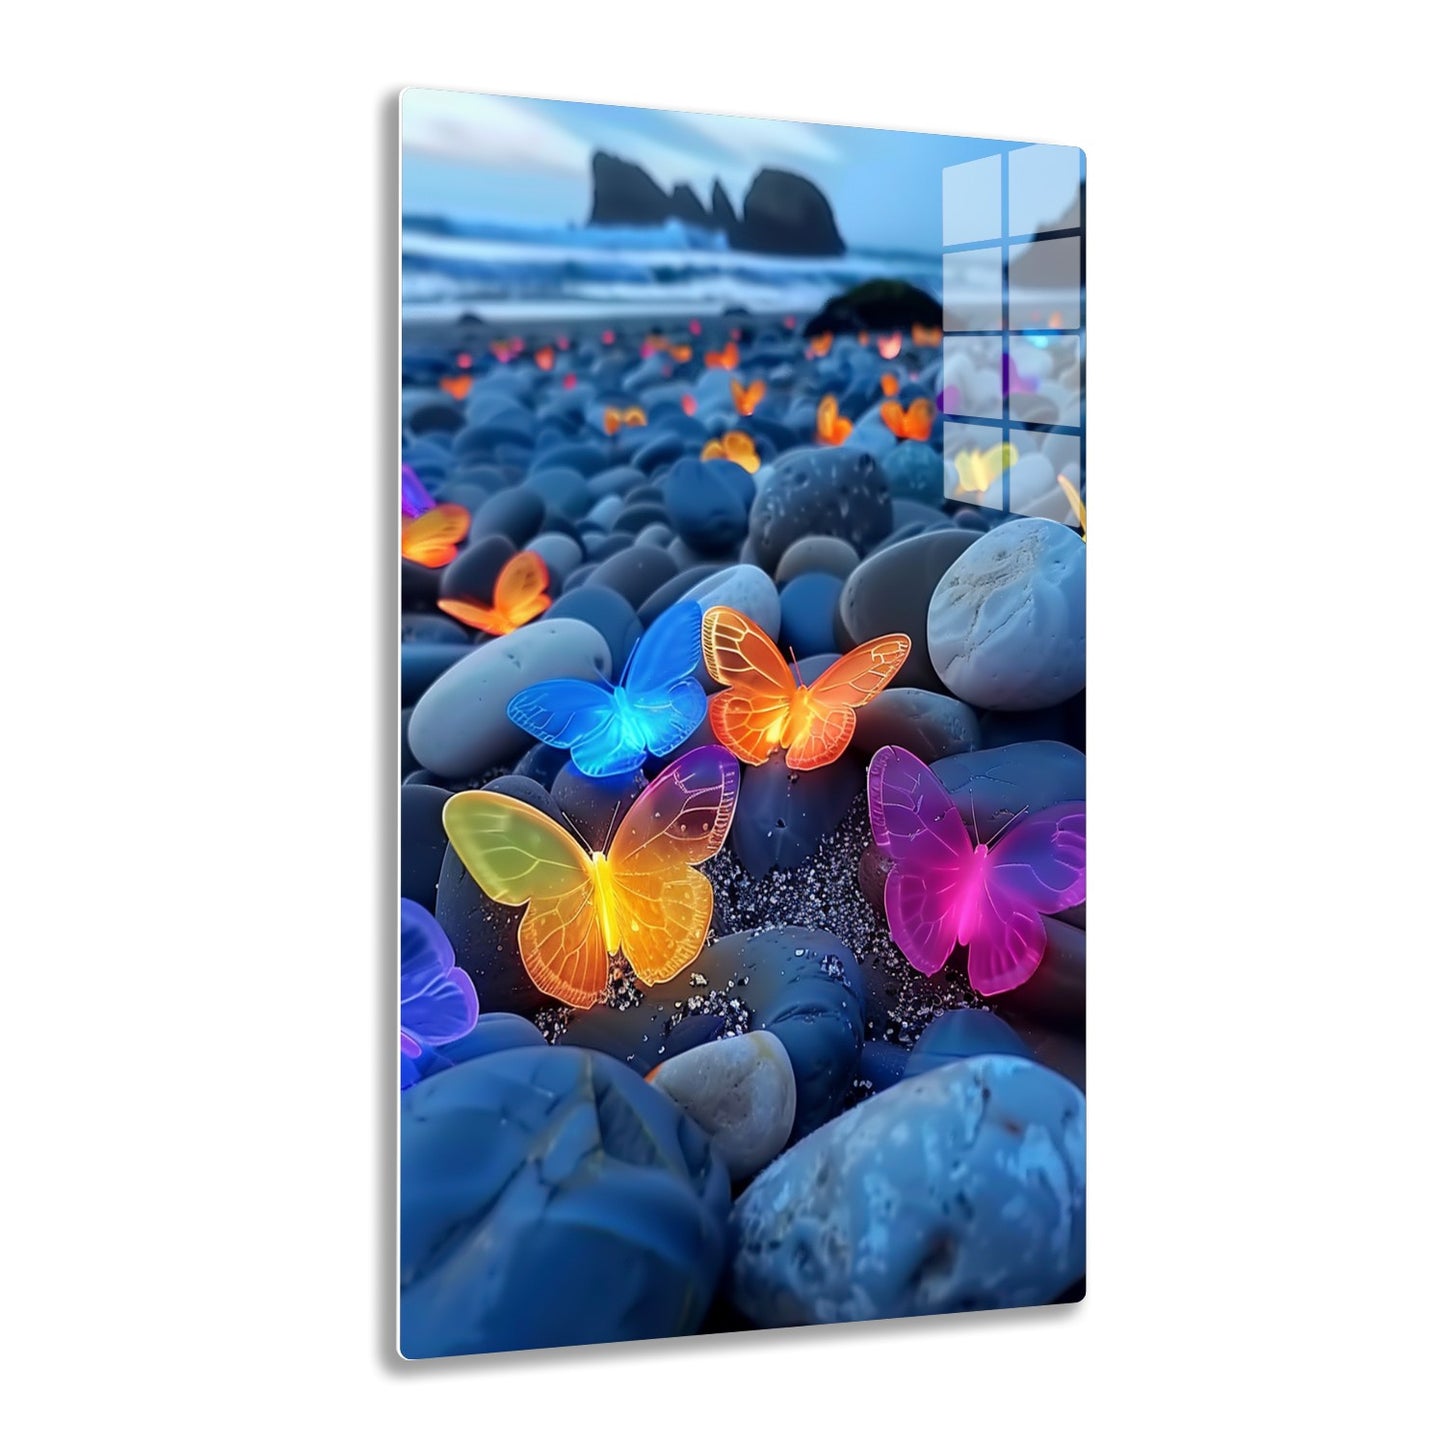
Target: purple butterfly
<point x="415" y="499"/>
<point x="946" y="889"/>
<point x="438" y="1000"/>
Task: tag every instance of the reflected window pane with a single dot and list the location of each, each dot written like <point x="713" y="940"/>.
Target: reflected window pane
<point x="1043" y="189"/>
<point x="973" y="290"/>
<point x="1043" y="283"/>
<point x="972" y="380"/>
<point x="973" y="202"/>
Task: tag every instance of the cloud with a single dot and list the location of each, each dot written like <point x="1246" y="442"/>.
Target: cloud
<point x="489" y="130"/>
<point x="762" y="141"/>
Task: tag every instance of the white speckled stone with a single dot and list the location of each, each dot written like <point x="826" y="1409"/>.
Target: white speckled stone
<point x="1006" y="623"/>
<point x="740" y="1091"/>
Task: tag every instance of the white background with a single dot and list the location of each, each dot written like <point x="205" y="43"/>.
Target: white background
<point x="198" y="420"/>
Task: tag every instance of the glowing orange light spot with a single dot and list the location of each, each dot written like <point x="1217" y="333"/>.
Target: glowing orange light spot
<point x="733" y="446"/>
<point x="821" y="344"/>
<point x="464" y="359"/>
<point x="746" y="398"/>
<point x="832" y="428"/>
<point x="914" y="424"/>
<point x="615" y="418"/>
<point x="608" y="337"/>
<point x="927" y="335"/>
<point x="695" y="326"/>
<point x="689" y="403"/>
<point x="862" y="338"/>
<point x="569" y="381"/>
<point x="1056" y="321"/>
<point x="681" y="352"/>
<point x="545" y="358"/>
<point x="501" y="350"/>
<point x="456" y="387"/>
<point x="890" y="346"/>
<point x="727" y="358"/>
<point x="889" y="384"/>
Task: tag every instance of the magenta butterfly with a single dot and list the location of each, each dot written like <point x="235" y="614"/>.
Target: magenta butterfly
<point x="945" y="888"/>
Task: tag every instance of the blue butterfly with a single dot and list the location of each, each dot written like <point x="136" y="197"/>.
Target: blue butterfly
<point x="654" y="709"/>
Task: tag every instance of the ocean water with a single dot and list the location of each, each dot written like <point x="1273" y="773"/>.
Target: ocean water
<point x="510" y="272"/>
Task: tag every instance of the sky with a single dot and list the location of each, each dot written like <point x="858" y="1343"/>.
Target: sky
<point x="497" y="158"/>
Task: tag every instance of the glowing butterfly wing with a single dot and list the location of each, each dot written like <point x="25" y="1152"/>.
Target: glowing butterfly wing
<point x="848" y="684"/>
<point x="665" y="700"/>
<point x="415" y="499"/>
<point x="916" y="824"/>
<point x="520" y="856"/>
<point x="682" y="819"/>
<point x="438" y="1000"/>
<point x="472" y="614"/>
<point x="582" y="717"/>
<point x="1036" y="867"/>
<point x="751" y="715"/>
<point x="521" y="591"/>
<point x="432" y="537"/>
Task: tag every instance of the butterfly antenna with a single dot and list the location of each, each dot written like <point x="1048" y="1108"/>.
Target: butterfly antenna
<point x="617" y="808"/>
<point x="797" y="671"/>
<point x="973" y="811"/>
<point x="586" y="846"/>
<point x="1008" y="824"/>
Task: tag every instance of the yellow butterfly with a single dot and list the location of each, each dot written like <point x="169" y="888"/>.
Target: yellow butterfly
<point x="642" y="899"/>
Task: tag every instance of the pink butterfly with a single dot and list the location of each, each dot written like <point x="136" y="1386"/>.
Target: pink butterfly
<point x="945" y="888"/>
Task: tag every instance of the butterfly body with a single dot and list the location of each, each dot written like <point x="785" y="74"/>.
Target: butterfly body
<point x="765" y="707"/>
<point x="655" y="707"/>
<point x="642" y="899"/>
<point x="946" y="889"/>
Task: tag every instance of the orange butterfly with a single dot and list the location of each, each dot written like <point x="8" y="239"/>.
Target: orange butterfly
<point x="926" y="335"/>
<point x="432" y="537"/>
<point x="832" y="428"/>
<point x="890" y="346"/>
<point x="915" y="423"/>
<point x="614" y="419"/>
<point x="545" y="358"/>
<point x="689" y="404"/>
<point x="746" y="399"/>
<point x="889" y="384"/>
<point x="520" y="595"/>
<point x="680" y="352"/>
<point x="456" y="387"/>
<point x="642" y="899"/>
<point x="764" y="707"/>
<point x="733" y="446"/>
<point x="727" y="358"/>
<point x="821" y="344"/>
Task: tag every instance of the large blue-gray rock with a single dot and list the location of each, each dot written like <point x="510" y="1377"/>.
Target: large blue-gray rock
<point x="891" y="591"/>
<point x="961" y="1189"/>
<point x="744" y="588"/>
<point x="993" y="786"/>
<point x="707" y="504"/>
<point x="801" y="984"/>
<point x="459" y="726"/>
<point x="963" y="1033"/>
<point x="783" y="815"/>
<point x="551" y="1197"/>
<point x="840" y="491"/>
<point x="1006" y="623"/>
<point x="931" y="725"/>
